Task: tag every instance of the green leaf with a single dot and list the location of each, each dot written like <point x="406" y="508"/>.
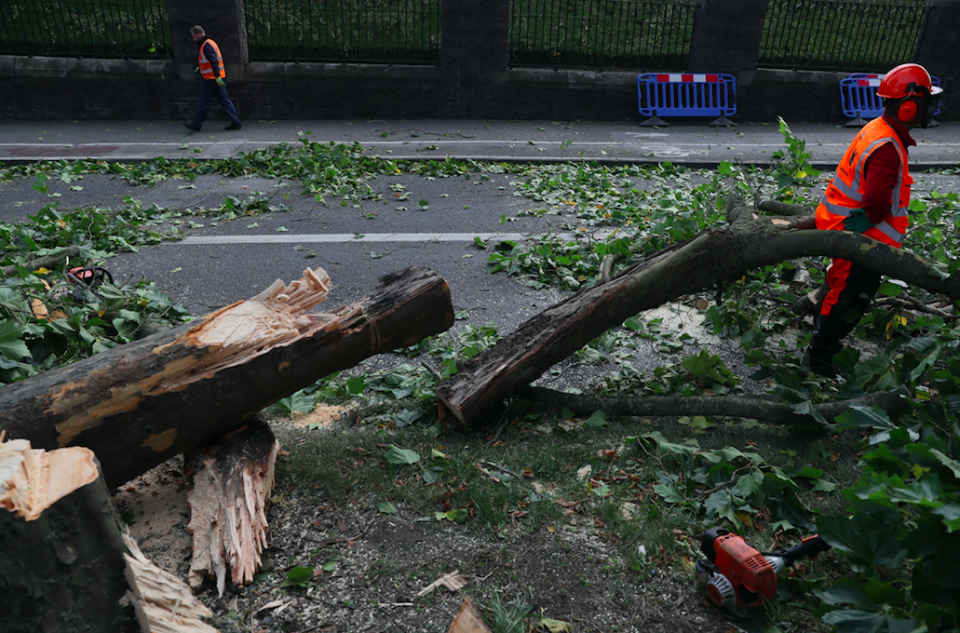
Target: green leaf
<point x="597" y="420"/>
<point x="386" y="508"/>
<point x="808" y="408"/>
<point x="847" y="591"/>
<point x="10" y="344"/>
<point x="851" y="621"/>
<point x="401" y="456"/>
<point x="749" y="484"/>
<point x="890" y="290"/>
<point x="723" y="505"/>
<point x="882" y="460"/>
<point x="329" y="567"/>
<point x="668" y="492"/>
<point x="866" y="542"/>
<point x="299" y="402"/>
<point x="14" y="350"/>
<point x="298" y="577"/>
<point x="697" y="422"/>
<point x="457" y="516"/>
<point x="928" y="489"/>
<point x="952" y="464"/>
<point x="928" y="457"/>
<point x="669" y="448"/>
<point x="406" y="417"/>
<point x="859" y="416"/>
<point x="728" y="454"/>
<point x="356" y="384"/>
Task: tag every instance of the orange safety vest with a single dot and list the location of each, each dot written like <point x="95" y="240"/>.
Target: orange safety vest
<point x="206" y="68"/>
<point x="845" y="192"/>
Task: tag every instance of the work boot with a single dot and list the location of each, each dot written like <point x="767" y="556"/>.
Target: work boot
<point x="820" y="359"/>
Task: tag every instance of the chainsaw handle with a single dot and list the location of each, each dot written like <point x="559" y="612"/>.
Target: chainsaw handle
<point x="810" y="546"/>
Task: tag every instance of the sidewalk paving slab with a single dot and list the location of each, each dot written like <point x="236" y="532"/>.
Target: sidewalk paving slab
<point x="28" y="141"/>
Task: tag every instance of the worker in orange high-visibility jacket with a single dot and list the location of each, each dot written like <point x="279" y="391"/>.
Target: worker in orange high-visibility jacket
<point x="869" y="194"/>
<point x="212" y="71"/>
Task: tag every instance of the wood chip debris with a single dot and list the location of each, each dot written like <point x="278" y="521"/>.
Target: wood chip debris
<point x="452" y="581"/>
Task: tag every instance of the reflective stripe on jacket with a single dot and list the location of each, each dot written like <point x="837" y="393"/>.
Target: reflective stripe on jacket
<point x="846" y="191"/>
<point x="207" y="65"/>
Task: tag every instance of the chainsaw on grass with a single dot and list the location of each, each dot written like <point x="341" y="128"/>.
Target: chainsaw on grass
<point x="737" y="576"/>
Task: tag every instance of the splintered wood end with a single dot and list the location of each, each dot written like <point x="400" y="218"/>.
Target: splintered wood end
<point x="33" y="480"/>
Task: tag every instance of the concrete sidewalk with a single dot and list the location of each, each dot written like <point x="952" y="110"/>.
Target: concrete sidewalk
<point x="688" y="144"/>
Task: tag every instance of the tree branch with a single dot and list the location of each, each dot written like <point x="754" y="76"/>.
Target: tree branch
<point x="714" y="256"/>
<point x="756" y="407"/>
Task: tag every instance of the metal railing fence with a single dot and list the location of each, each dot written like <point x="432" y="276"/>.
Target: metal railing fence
<point x="851" y="35"/>
<point x="373" y="31"/>
<point x="635" y="34"/>
<point x="113" y="29"/>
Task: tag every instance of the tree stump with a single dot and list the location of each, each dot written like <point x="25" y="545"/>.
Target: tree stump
<point x="67" y="564"/>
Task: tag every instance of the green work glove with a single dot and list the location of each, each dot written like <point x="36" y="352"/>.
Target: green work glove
<point x="857" y="221"/>
<point x="196" y="73"/>
<point x="221" y="82"/>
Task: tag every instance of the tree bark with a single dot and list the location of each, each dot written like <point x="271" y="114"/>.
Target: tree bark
<point x="139" y="404"/>
<point x="716" y="255"/>
<point x="758" y="408"/>
<point x="232" y="480"/>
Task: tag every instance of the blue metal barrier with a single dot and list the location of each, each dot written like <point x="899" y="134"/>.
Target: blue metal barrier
<point x="687" y="94"/>
<point x="858" y="95"/>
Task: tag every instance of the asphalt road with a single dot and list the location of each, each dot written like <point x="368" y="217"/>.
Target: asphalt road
<point x="356" y="244"/>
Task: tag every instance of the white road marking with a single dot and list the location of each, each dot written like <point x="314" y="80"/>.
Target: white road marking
<point x="316" y="238"/>
<point x="661" y="149"/>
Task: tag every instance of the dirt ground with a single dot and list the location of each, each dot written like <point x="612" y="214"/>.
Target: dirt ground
<point x="383" y="562"/>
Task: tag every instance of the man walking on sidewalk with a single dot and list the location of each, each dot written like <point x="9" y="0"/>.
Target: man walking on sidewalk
<point x="212" y="71"/>
<point x="870" y="194"/>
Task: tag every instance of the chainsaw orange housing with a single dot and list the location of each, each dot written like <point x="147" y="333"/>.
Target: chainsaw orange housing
<point x="745" y="568"/>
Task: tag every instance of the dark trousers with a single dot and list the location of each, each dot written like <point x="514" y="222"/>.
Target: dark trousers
<point x="854" y="289"/>
<point x="209" y="90"/>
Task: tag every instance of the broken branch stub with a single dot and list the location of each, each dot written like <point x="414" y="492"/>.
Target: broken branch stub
<point x="230" y="488"/>
<point x="715" y="255"/>
<point x="138" y="404"/>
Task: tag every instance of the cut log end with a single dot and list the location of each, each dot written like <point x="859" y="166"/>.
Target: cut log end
<point x="32" y="480"/>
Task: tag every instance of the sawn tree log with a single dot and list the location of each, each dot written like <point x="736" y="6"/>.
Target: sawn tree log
<point x="138" y="404"/>
<point x="716" y="255"/>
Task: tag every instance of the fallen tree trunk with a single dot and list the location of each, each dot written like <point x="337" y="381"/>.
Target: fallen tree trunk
<point x="757" y="408"/>
<point x="139" y="404"/>
<point x="67" y="563"/>
<point x="231" y="482"/>
<point x="716" y="255"/>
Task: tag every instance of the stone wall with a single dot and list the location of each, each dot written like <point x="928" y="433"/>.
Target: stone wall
<point x="472" y="81"/>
